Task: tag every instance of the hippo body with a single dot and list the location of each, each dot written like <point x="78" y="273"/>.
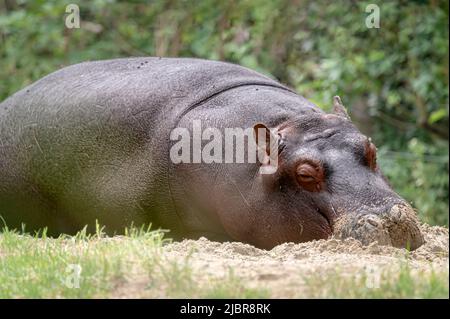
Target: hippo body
<point x="91" y="142"/>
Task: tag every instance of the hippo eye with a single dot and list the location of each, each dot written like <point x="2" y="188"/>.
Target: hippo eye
<point x="310" y="176"/>
<point x="370" y="155"/>
<point x="306" y="178"/>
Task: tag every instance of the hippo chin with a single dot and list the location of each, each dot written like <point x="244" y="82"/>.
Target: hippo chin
<point x="93" y="143"/>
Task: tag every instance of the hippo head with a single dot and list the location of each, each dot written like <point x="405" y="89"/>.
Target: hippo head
<point x="328" y="180"/>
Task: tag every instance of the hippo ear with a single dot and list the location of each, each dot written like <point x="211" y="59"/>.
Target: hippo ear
<point x="339" y="108"/>
<point x="265" y="139"/>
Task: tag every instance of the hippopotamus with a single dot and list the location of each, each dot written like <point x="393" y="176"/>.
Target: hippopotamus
<point x="90" y="144"/>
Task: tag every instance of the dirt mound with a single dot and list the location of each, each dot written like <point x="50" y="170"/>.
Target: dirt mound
<point x="285" y="268"/>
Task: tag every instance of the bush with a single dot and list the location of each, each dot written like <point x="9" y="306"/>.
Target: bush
<point x="394" y="79"/>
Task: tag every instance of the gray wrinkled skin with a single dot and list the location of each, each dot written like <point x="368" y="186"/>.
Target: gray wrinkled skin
<point x="90" y="143"/>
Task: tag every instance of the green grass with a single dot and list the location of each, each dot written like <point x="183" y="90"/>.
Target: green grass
<point x="32" y="267"/>
<point x="135" y="266"/>
<point x="405" y="283"/>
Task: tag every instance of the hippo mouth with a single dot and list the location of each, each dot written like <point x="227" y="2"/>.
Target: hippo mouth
<point x="326" y="217"/>
<point x="396" y="227"/>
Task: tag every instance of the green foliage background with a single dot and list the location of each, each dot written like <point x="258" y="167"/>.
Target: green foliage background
<point x="394" y="79"/>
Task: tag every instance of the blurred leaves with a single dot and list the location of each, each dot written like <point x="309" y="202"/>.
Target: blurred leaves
<point x="394" y="80"/>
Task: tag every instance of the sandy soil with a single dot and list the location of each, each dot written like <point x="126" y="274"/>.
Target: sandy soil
<point x="284" y="269"/>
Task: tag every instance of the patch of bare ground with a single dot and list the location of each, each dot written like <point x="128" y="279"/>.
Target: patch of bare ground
<point x="284" y="270"/>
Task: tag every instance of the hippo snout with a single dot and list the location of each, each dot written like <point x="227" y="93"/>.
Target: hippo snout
<point x="397" y="226"/>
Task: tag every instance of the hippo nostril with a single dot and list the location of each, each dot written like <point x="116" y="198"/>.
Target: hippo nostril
<point x="403" y="227"/>
<point x="373" y="222"/>
<point x="397" y="226"/>
<point x="396" y="213"/>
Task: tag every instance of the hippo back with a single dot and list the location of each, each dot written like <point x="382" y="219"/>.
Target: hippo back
<point x="90" y="141"/>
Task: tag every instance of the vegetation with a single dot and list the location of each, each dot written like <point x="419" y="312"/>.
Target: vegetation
<point x="119" y="267"/>
<point x="136" y="266"/>
<point x="402" y="284"/>
<point x="393" y="79"/>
